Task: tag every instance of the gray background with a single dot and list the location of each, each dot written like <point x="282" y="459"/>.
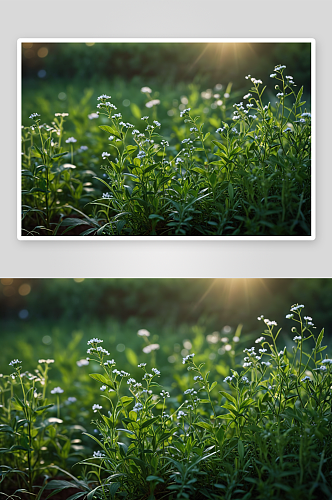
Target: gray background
<point x="159" y="18"/>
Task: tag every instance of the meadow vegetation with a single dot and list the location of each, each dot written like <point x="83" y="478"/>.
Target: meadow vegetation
<point x="186" y="163"/>
<point x="226" y="415"/>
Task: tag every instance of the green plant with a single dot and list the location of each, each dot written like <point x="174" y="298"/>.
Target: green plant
<point x="245" y="170"/>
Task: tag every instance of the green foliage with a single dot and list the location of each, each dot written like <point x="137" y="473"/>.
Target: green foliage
<point x="249" y="177"/>
<point x="251" y="427"/>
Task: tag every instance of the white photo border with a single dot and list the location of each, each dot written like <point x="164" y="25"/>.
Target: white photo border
<point x="312" y="41"/>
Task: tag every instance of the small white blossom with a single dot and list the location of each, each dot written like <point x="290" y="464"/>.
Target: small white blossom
<point x="82" y="362"/>
<point x="15" y="362"/>
<point x="57" y="390"/>
<point x="155" y="371"/>
<point x="143" y="333"/>
<point x="258" y="341"/>
<point x="96" y="408"/>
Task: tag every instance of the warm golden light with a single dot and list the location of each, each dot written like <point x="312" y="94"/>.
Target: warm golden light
<point x="6" y="281"/>
<point x="42" y="52"/>
<point x="24" y="289"/>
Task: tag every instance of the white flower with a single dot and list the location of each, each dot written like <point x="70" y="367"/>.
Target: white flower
<point x="154" y="102"/>
<point x="155" y="371"/>
<point x="71" y="399"/>
<point x="279" y="67"/>
<point x="181" y="414"/>
<point x="280" y="94"/>
<point x="103" y="388"/>
<point x="103" y="96"/>
<point x="110" y="362"/>
<point x="47" y="361"/>
<point x="296" y="307"/>
<point x="273" y="75"/>
<point x="34" y="115"/>
<point x="288" y="129"/>
<point x="327" y="361"/>
<point x="289" y="316"/>
<point x="246" y="365"/>
<point x="146" y="90"/>
<point x="189" y="357"/>
<point x="98" y="454"/>
<point x="220" y="130"/>
<point x="131" y="381"/>
<point x="138" y="407"/>
<point x="71" y="139"/>
<point x="84" y="148"/>
<point x="236" y="339"/>
<point x="306" y="114"/>
<point x="185" y="112"/>
<point x="245" y="380"/>
<point x="141" y="365"/>
<point x="247" y="96"/>
<point x="164" y="394"/>
<point x="105" y="154"/>
<point x="258" y="341"/>
<point x="143" y="333"/>
<point x="61" y="114"/>
<point x="15" y="362"/>
<point x="152" y="347"/>
<point x="305" y="379"/>
<point x="92" y="116"/>
<point x="82" y="362"/>
<point x="157" y="123"/>
<point x="260" y="317"/>
<point x="96" y="408"/>
<point x="266" y="363"/>
<point x="308" y="318"/>
<point x="57" y="390"/>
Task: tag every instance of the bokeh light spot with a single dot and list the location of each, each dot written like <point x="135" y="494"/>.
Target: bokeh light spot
<point x="120" y="347"/>
<point x="62" y="96"/>
<point x="90" y="44"/>
<point x="24" y="289"/>
<point x="6" y="281"/>
<point x="42" y="52"/>
<point x="41" y="73"/>
<point x="126" y="102"/>
<point x="79" y="280"/>
<point x="23" y="314"/>
<point x="47" y="340"/>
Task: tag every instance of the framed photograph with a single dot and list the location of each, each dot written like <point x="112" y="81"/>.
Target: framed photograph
<point x="179" y="139"/>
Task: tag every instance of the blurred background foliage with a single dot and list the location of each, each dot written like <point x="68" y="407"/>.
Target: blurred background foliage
<point x="204" y="63"/>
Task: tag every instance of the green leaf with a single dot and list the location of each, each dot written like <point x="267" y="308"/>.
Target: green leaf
<point x="60" y="154"/>
<point x="131" y="356"/>
<point x="149" y="422"/>
<point x="206" y="136"/>
<point x="240" y="448"/>
<point x="212" y="386"/>
<point x="101" y="378"/>
<point x="320" y="338"/>
<point x="228" y="396"/>
<point x="110" y="130"/>
<point x="135" y="111"/>
<point x="155" y="478"/>
<point x="42" y="408"/>
<point x="230" y="191"/>
<point x="126" y="400"/>
<point x="57" y="483"/>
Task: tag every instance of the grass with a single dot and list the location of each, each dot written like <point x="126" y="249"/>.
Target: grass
<point x="210" y="422"/>
<point x="217" y="168"/>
